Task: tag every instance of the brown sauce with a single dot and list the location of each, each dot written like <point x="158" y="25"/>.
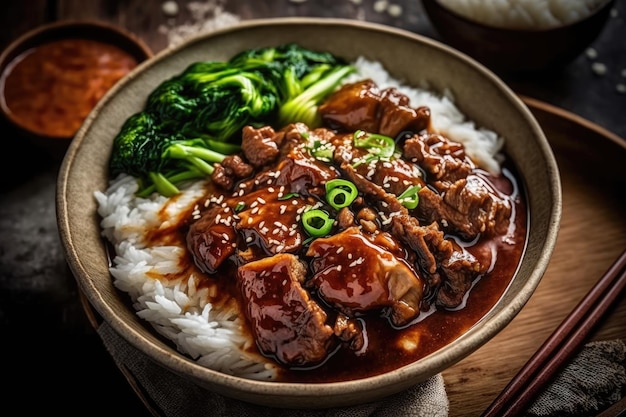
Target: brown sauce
<point x="387" y="348"/>
<point x="354" y="301"/>
<point x="51" y="89"/>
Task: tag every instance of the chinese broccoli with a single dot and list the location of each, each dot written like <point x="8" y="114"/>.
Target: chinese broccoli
<point x="195" y="118"/>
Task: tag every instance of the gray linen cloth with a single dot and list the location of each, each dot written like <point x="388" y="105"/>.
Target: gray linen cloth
<point x="594" y="379"/>
<point x="177" y="397"/>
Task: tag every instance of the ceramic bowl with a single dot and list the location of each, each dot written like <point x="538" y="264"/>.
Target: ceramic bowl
<point x="517" y="50"/>
<point x="19" y="51"/>
<point x="413" y="58"/>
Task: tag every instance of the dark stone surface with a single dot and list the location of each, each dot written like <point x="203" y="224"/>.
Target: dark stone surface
<point x="53" y="355"/>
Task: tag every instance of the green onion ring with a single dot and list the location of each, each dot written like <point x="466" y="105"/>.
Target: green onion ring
<point x="317" y="223"/>
<point x="340" y="193"/>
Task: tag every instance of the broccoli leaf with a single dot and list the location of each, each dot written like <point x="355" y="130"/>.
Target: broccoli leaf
<point x="194" y="119"/>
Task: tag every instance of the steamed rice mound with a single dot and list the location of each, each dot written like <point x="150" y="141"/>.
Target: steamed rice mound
<point x="171" y="300"/>
<point x="524" y="14"/>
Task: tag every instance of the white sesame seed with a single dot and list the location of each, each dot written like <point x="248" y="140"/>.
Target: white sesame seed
<point x="598" y="68"/>
<point x="621" y="88"/>
<point x="170" y="8"/>
<point x="339" y="250"/>
<point x="591" y="53"/>
<point x="260" y="200"/>
<point x="249" y="239"/>
<point x="394" y="10"/>
<point x="254" y="210"/>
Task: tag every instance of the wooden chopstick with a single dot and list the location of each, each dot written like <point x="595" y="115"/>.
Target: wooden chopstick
<point x="561" y="345"/>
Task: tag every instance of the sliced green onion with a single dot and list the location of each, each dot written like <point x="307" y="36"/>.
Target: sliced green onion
<point x="380" y="145"/>
<point x="288" y="196"/>
<point x="240" y="206"/>
<point x="322" y="150"/>
<point x="340" y="193"/>
<point x="317" y="223"/>
<point x="410" y="198"/>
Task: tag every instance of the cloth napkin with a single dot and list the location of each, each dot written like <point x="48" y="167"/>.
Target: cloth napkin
<point x="591" y="381"/>
<point x="177" y="397"/>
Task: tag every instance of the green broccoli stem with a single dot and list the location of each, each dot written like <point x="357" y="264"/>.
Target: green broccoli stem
<point x="197" y="162"/>
<point x="166" y="182"/>
<point x="225" y="148"/>
<point x="303" y="107"/>
<point x="195" y="155"/>
<point x="162" y="185"/>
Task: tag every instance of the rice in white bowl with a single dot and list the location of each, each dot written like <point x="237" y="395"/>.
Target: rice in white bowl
<point x="161" y="291"/>
<point x="524" y="14"/>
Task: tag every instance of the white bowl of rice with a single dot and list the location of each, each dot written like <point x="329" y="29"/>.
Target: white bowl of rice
<point x="519" y="36"/>
<point x="159" y="294"/>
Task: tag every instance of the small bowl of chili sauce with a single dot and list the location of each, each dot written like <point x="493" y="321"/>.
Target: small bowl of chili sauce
<point x="53" y="76"/>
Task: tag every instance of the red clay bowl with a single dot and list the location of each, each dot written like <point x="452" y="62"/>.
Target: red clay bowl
<point x="21" y="69"/>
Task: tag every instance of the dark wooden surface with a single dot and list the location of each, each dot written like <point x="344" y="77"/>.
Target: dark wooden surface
<point x="56" y="361"/>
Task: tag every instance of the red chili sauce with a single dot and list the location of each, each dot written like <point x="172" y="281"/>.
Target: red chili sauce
<point x="51" y="89"/>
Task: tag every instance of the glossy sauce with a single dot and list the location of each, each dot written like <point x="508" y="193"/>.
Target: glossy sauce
<point x="51" y="89"/>
<point x="390" y="348"/>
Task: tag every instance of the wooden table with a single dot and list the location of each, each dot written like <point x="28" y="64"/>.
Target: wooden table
<point x="593" y="230"/>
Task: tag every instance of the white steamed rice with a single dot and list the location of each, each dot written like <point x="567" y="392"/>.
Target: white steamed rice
<point x="524" y="14"/>
<point x="211" y="334"/>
